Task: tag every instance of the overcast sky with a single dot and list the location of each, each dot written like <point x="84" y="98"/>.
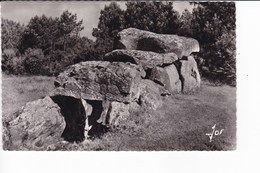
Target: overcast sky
<point x="88" y="11"/>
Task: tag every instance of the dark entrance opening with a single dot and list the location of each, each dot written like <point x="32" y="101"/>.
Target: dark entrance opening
<point x="75" y="117"/>
<point x="97" y="129"/>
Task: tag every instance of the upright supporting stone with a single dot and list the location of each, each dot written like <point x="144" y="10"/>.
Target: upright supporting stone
<point x="174" y="78"/>
<point x="38" y="125"/>
<point x="190" y="76"/>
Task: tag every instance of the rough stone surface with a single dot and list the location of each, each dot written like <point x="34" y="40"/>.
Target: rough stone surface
<point x="106" y="104"/>
<point x="100" y="80"/>
<point x="159" y="75"/>
<point x="146" y="59"/>
<point x="189" y="74"/>
<point x="150" y="95"/>
<point x="167" y="77"/>
<point x="174" y="78"/>
<point x="135" y="39"/>
<point x="6" y="136"/>
<point x="117" y="112"/>
<point x="38" y="125"/>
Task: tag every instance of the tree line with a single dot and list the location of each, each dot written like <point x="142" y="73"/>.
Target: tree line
<point x="47" y="45"/>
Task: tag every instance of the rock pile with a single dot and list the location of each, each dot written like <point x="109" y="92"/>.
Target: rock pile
<point x="95" y="95"/>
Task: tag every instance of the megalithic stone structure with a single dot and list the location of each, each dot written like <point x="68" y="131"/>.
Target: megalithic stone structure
<point x="92" y="96"/>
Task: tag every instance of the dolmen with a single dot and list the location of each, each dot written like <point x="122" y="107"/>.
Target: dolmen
<point x="93" y="96"/>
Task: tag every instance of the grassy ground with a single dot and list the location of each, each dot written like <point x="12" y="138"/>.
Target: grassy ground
<point x="16" y="91"/>
<point x="180" y="124"/>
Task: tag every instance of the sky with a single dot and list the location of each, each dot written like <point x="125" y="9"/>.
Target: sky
<point x="89" y="11"/>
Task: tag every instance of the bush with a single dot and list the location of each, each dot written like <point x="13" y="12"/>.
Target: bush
<point x="7" y="56"/>
<point x="57" y="61"/>
<point x="34" y="59"/>
<point x="34" y="62"/>
<point x="226" y="54"/>
<point x="12" y="62"/>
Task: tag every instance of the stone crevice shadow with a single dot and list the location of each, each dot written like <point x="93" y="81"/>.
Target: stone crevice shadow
<point x="97" y="128"/>
<point x="75" y="117"/>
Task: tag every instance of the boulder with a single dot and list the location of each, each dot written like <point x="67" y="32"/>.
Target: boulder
<point x="115" y="113"/>
<point x="118" y="112"/>
<point x="189" y="74"/>
<point x="135" y="39"/>
<point x="100" y="80"/>
<point x="146" y="59"/>
<point x="168" y="77"/>
<point x="150" y="95"/>
<point x="159" y="75"/>
<point x="174" y="78"/>
<point x="6" y="136"/>
<point x="38" y="125"/>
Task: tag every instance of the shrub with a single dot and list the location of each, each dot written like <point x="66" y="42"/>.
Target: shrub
<point x="7" y="56"/>
<point x="57" y="61"/>
<point x="12" y="62"/>
<point x="34" y="59"/>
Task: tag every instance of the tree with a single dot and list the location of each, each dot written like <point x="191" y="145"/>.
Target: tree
<point x="11" y="34"/>
<point x="50" y="34"/>
<point x="210" y="19"/>
<point x="68" y="28"/>
<point x="40" y="33"/>
<point x="111" y="21"/>
<point x="157" y="17"/>
<point x="85" y="50"/>
<point x="185" y="24"/>
<point x="11" y="60"/>
<point x="213" y="25"/>
<point x="52" y="43"/>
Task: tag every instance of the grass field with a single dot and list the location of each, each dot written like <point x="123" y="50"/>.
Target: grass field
<point x="180" y="124"/>
<point x="16" y="91"/>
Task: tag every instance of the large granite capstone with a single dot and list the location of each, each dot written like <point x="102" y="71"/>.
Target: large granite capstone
<point x="136" y="39"/>
<point x="100" y="80"/>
